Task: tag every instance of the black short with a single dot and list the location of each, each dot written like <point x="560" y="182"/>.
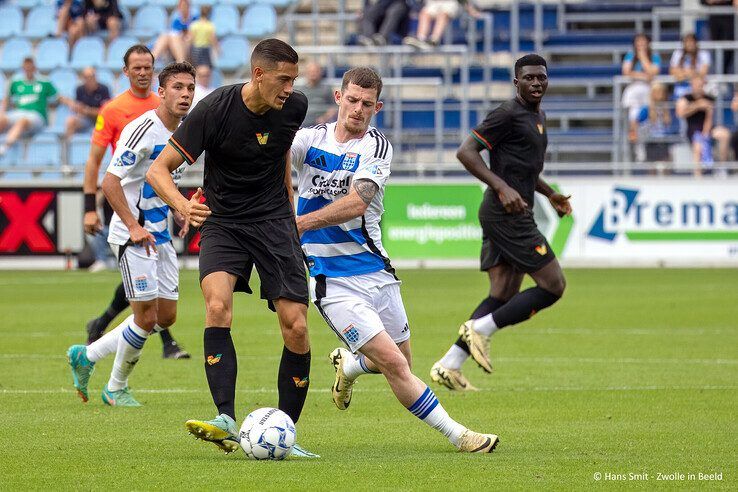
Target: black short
<point x="516" y="241"/>
<point x="271" y="245"/>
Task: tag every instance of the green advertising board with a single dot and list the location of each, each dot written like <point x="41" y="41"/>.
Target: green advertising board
<point x="429" y="221"/>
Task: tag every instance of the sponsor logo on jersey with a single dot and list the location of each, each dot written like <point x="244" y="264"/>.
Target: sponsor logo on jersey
<point x="262" y="138"/>
<point x="540" y="128"/>
<point x="127" y="158"/>
<point x="141" y="283"/>
<point x="542" y="250"/>
<point x="300" y="383"/>
<point x="349" y="161"/>
<point x="99" y="122"/>
<point x="213" y="359"/>
<point x="329" y="186"/>
<point x="351" y="334"/>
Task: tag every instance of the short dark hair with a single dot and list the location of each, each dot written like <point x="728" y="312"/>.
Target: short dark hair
<point x="529" y="60"/>
<point x="364" y="77"/>
<point x="29" y="59"/>
<point x="137" y="48"/>
<point x="273" y="51"/>
<point x="174" y="69"/>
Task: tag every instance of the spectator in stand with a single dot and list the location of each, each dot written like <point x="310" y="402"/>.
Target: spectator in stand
<point x="321" y="100"/>
<point x="30" y="97"/>
<point x="697" y="108"/>
<point x="204" y="39"/>
<point x="722" y="29"/>
<point x="641" y="65"/>
<point x="655" y="125"/>
<point x="383" y="20"/>
<point x="686" y="62"/>
<point x="103" y="14"/>
<point x="203" y="85"/>
<point x="442" y="12"/>
<point x="177" y="40"/>
<point x="90" y="96"/>
<point x="70" y="19"/>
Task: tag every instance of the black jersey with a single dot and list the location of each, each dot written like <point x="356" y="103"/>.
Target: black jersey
<point x="516" y="139"/>
<point x="244" y="154"/>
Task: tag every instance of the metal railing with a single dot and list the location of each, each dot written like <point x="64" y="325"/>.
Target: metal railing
<point x="659" y="14"/>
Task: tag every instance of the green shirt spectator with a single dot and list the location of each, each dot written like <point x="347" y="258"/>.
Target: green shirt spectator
<point x="32" y="95"/>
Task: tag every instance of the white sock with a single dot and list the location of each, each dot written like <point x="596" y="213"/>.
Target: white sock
<point x="428" y="409"/>
<point x="353" y="367"/>
<point x="454" y="358"/>
<point x="108" y="343"/>
<point x="130" y="344"/>
<point x="485" y="325"/>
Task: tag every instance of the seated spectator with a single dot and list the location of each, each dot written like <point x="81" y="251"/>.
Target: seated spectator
<point x="90" y="96"/>
<point x="442" y="12"/>
<point x="383" y="20"/>
<point x="687" y="62"/>
<point x="641" y="65"/>
<point x="70" y="19"/>
<point x="697" y="108"/>
<point x="655" y="125"/>
<point x="204" y="39"/>
<point x="30" y="98"/>
<point x="321" y="100"/>
<point x="727" y="141"/>
<point x="103" y="14"/>
<point x="203" y="85"/>
<point x="177" y="40"/>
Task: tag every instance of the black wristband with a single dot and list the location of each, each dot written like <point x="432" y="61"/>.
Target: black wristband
<point x="90" y="203"/>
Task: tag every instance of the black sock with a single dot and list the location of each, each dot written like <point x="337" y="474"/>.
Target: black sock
<point x="293" y="381"/>
<point x="488" y="305"/>
<point x="166" y="337"/>
<point x="117" y="305"/>
<point x="221" y="368"/>
<point x="523" y="305"/>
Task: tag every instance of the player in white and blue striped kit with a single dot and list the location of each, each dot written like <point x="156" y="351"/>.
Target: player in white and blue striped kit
<point x="139" y="236"/>
<point x="342" y="169"/>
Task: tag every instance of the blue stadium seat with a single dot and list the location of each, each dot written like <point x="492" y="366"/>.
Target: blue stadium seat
<point x="149" y="21"/>
<point x="11" y="21"/>
<point x="41" y="22"/>
<point x="167" y="4"/>
<point x="200" y="3"/>
<point x="116" y="50"/>
<point x="65" y="81"/>
<point x="133" y="4"/>
<point x="241" y="3"/>
<point x="259" y="20"/>
<point x="27" y="4"/>
<point x="3" y="82"/>
<point x="11" y="157"/>
<point x="43" y="151"/>
<point x="233" y="53"/>
<point x="13" y="52"/>
<point x="87" y="52"/>
<point x="52" y="53"/>
<point x="61" y="113"/>
<point x="106" y="77"/>
<point x="216" y="77"/>
<point x="225" y="18"/>
<point x="278" y="3"/>
<point x="79" y="148"/>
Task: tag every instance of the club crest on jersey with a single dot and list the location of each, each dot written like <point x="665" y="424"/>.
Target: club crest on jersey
<point x="140" y="282"/>
<point x="349" y="161"/>
<point x="262" y="138"/>
<point x="542" y="250"/>
<point x="351" y="334"/>
<point x="540" y="128"/>
<point x="127" y="158"/>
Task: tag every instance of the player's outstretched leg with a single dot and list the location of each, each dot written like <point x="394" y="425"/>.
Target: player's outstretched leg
<point x="347" y="368"/>
<point x="221" y="431"/>
<point x="419" y="399"/>
<point x="82" y="369"/>
<point x="96" y="327"/>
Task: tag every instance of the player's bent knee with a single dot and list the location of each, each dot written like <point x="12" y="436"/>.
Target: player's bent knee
<point x="219" y="311"/>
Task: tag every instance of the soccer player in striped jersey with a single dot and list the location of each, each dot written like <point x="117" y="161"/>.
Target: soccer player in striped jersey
<point x="139" y="236"/>
<point x="342" y="170"/>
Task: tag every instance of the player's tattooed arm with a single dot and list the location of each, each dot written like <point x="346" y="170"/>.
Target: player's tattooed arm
<point x="366" y="189"/>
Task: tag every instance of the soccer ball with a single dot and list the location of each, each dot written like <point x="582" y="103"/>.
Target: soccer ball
<point x="267" y="434"/>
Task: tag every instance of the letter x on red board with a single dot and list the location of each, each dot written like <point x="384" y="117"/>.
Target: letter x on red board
<point x="24" y="222"/>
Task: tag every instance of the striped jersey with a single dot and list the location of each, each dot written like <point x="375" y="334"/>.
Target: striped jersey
<point x="326" y="168"/>
<point x="141" y="141"/>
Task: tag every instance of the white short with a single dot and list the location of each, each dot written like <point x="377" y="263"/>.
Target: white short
<point x="438" y="7"/>
<point x="146" y="278"/>
<point x="358" y="308"/>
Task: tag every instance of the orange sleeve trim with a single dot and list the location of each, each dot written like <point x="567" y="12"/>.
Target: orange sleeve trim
<point x="181" y="150"/>
<point x="481" y="139"/>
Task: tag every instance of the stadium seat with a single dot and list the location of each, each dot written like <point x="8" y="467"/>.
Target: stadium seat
<point x="216" y="77"/>
<point x="43" y="151"/>
<point x="149" y="21"/>
<point x="167" y="4"/>
<point x="61" y="113"/>
<point x="52" y="53"/>
<point x="241" y="3"/>
<point x="28" y="4"/>
<point x="278" y="3"/>
<point x="79" y="148"/>
<point x="116" y="50"/>
<point x="259" y="20"/>
<point x="200" y="3"/>
<point x="11" y="21"/>
<point x="225" y="18"/>
<point x="106" y="77"/>
<point x="87" y="52"/>
<point x="40" y="22"/>
<point x="133" y="4"/>
<point x="233" y="53"/>
<point x="13" y="52"/>
<point x="65" y="81"/>
<point x="3" y="82"/>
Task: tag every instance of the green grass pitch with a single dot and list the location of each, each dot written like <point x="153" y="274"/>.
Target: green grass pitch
<point x="633" y="372"/>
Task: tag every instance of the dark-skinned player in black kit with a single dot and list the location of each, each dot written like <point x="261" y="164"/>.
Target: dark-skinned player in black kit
<point x="514" y="134"/>
<point x="246" y="131"/>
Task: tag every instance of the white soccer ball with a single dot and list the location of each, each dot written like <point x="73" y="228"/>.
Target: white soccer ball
<point x="267" y="434"/>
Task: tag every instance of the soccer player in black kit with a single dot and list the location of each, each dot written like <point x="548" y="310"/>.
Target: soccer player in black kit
<point x="514" y="134"/>
<point x="246" y="131"/>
